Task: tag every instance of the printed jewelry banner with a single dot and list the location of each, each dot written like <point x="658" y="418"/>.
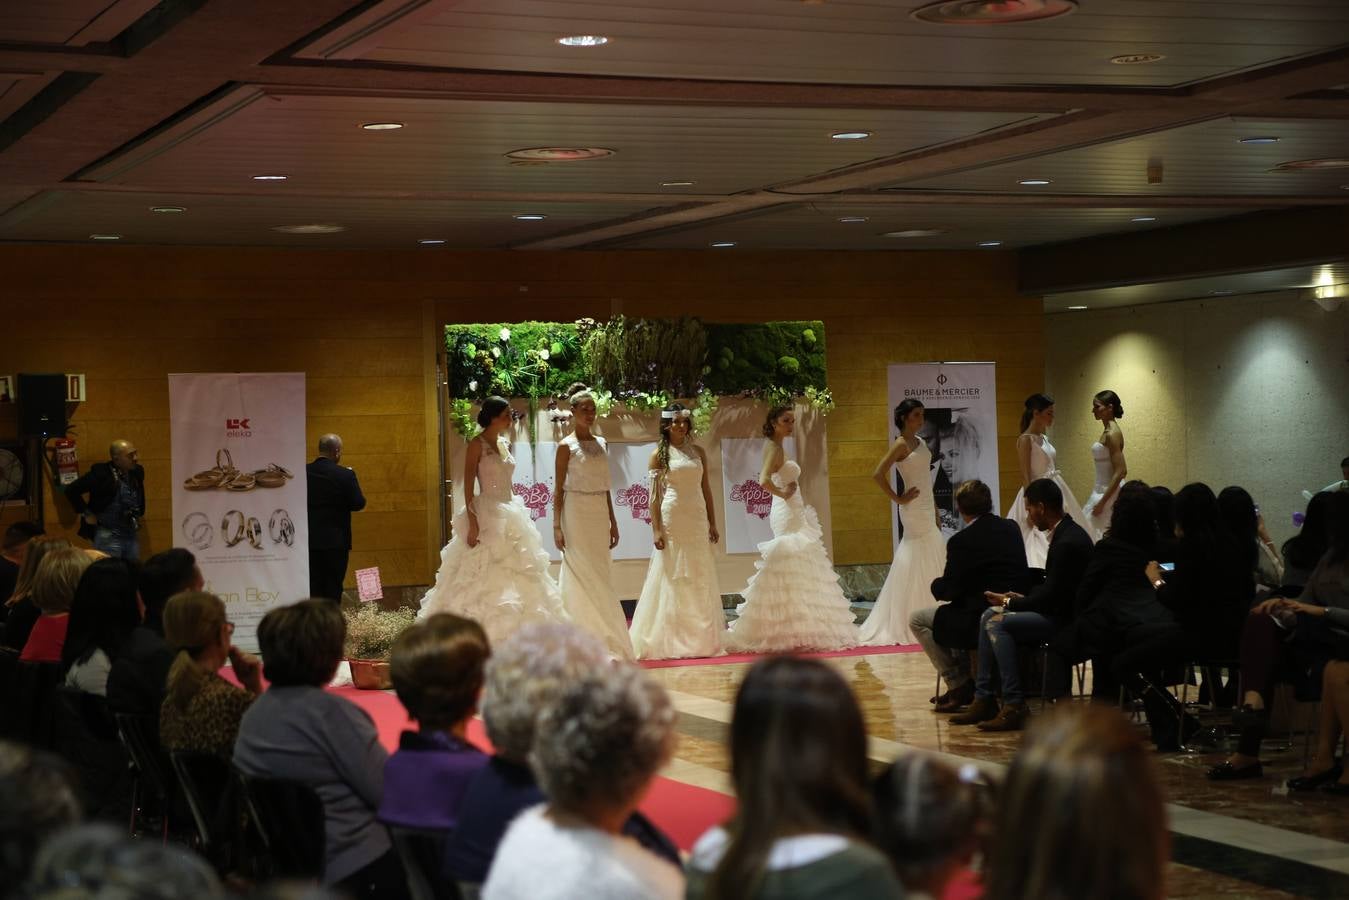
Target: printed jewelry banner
<point x="239" y="492"/>
<point x="960" y="428"/>
<point x="745" y="501"/>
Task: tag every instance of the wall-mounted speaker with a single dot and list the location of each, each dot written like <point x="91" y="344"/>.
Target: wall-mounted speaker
<point x="42" y="405"/>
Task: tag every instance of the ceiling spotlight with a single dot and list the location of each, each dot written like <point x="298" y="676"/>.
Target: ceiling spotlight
<point x="270" y="177"/>
<point x="583" y="40"/>
<point x="1143" y="219"/>
<point x="1136" y="59"/>
<point x="1222" y="293"/>
<point x="1258" y="140"/>
<point x="382" y="126"/>
<point x="914" y="233"/>
<point x="427" y="242"/>
<point x="991" y="12"/>
<point x="852" y="220"/>
<point x="1306" y="165"/>
<point x="987" y="244"/>
<point x="168" y="209"/>
<point x="850" y="135"/>
<point x="317" y="228"/>
<point x="560" y="154"/>
<point x="1077" y="307"/>
<point x="1034" y="182"/>
<point x="530" y="217"/>
<point x="723" y="244"/>
<point x="676" y="184"/>
<point x="105" y="237"/>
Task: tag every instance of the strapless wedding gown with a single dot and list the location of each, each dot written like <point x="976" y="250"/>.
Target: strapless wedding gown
<point x="920" y="557"/>
<point x="1096" y="525"/>
<point x="1043" y="464"/>
<point x="503" y="583"/>
<point x="679" y="614"/>
<point x="793" y="600"/>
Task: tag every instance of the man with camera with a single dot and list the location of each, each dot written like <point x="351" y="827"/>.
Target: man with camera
<point x="112" y="515"/>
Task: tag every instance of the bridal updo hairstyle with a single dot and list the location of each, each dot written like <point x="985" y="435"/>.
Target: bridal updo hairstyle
<point x="579" y="392"/>
<point x="491" y="408"/>
<point x="902" y="411"/>
<point x="1036" y="404"/>
<point x="770" y="424"/>
<point x="1111" y="399"/>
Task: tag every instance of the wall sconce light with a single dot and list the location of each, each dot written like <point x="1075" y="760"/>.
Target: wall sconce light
<point x="1328" y="296"/>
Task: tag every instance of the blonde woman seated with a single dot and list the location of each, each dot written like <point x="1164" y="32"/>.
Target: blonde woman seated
<point x="201" y="710"/>
<point x="596" y="752"/>
<point x="53" y="589"/>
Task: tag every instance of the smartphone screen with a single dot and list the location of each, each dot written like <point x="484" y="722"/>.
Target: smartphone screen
<point x="1168" y="567"/>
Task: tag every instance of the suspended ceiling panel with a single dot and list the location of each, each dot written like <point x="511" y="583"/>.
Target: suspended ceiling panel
<point x="69" y="22"/>
<point x="72" y="216"/>
<point x="1217" y="287"/>
<point x="817" y="226"/>
<point x="1205" y="158"/>
<point x="317" y="142"/>
<point x="842" y="41"/>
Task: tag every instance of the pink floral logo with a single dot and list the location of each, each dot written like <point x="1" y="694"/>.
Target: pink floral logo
<point x="758" y="502"/>
<point x="637" y="498"/>
<point x="536" y="497"/>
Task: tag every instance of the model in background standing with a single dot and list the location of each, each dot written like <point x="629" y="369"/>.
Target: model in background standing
<point x="495" y="569"/>
<point x="585" y="530"/>
<point x="793" y="600"/>
<point x="1107" y="454"/>
<point x="679" y="615"/>
<point x="1038" y="459"/>
<point x="921" y="555"/>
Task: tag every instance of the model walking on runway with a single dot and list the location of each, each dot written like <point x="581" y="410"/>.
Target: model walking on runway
<point x="1107" y="455"/>
<point x="1038" y="459"/>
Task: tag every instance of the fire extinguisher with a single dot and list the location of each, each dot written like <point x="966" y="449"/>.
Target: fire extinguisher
<point x="67" y="461"/>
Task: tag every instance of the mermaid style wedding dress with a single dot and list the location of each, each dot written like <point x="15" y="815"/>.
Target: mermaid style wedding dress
<point x="503" y="583"/>
<point x="1043" y="464"/>
<point x="793" y="600"/>
<point x="920" y="558"/>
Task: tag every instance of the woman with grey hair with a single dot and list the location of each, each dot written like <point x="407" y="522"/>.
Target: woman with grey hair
<point x="597" y="750"/>
<point x="525" y="676"/>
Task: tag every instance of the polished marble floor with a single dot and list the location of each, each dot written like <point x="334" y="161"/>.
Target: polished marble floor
<point x="1243" y="839"/>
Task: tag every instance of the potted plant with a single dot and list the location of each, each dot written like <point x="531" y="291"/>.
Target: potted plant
<point x="371" y="632"/>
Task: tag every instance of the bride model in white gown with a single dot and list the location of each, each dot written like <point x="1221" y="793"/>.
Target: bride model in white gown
<point x="1107" y="456"/>
<point x="921" y="555"/>
<point x="793" y="600"/>
<point x="495" y="569"/>
<point x="679" y="614"/>
<point x="586" y="531"/>
<point x="1038" y="460"/>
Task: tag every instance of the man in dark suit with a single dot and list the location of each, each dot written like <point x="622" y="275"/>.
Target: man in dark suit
<point x="334" y="494"/>
<point x="116" y="505"/>
<point x="1013" y="619"/>
<point x="988" y="554"/>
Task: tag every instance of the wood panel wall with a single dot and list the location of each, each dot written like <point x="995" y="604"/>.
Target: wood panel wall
<point x="365" y="328"/>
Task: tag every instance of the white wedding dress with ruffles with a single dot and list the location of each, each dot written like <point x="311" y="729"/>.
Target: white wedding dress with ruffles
<point x="503" y="583"/>
<point x="793" y="600"/>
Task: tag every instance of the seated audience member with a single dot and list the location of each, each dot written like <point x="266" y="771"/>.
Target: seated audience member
<point x="437" y="671"/>
<point x="1029" y="619"/>
<point x="1326" y="771"/>
<point x="37" y="799"/>
<point x="1246" y="526"/>
<point x="13" y="550"/>
<point x="931" y="821"/>
<point x="297" y="731"/>
<point x="802" y="827"/>
<point x="1080" y="767"/>
<point x="103" y="613"/>
<point x="202" y="711"/>
<point x="988" y="554"/>
<point x="22" y="612"/>
<point x="141" y="670"/>
<point x="53" y="589"/>
<point x="1164" y="505"/>
<point x="523" y="678"/>
<point x="1304" y="550"/>
<point x="1292" y="640"/>
<point x="99" y="861"/>
<point x="598" y="747"/>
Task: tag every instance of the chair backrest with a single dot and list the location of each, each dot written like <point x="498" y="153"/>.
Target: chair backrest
<point x="9" y="667"/>
<point x="28" y="701"/>
<point x="423" y="856"/>
<point x="140" y="736"/>
<point x="289" y="818"/>
<point x="205" y="780"/>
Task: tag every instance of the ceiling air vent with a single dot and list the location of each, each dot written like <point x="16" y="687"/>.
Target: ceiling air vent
<point x="992" y="12"/>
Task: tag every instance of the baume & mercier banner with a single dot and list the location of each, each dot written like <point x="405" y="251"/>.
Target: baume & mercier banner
<point x="238" y="447"/>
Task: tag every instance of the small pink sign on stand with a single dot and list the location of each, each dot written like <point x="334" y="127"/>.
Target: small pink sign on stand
<point x="368" y="585"/>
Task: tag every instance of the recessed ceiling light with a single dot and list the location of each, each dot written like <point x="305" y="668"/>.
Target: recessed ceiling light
<point x="270" y="177"/>
<point x="1136" y="59"/>
<point x="676" y="184"/>
<point x="105" y="237"/>
<point x="1303" y="165"/>
<point x="168" y="209"/>
<point x="991" y="12"/>
<point x="852" y="220"/>
<point x="989" y="244"/>
<point x="583" y="40"/>
<point x="429" y="241"/>
<point x="1143" y="219"/>
<point x="1267" y="139"/>
<point x="1034" y="182"/>
<point x="560" y="154"/>
<point x="914" y="233"/>
<point x="317" y="228"/>
<point x="723" y="244"/>
<point x="850" y="135"/>
<point x="382" y="126"/>
<point x="530" y="217"/>
<point x="1077" y="307"/>
<point x="1222" y="293"/>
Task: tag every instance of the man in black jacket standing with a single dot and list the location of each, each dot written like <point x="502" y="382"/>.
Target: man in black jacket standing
<point x="334" y="494"/>
<point x="987" y="555"/>
<point x="1013" y="619"/>
<point x="116" y="505"/>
